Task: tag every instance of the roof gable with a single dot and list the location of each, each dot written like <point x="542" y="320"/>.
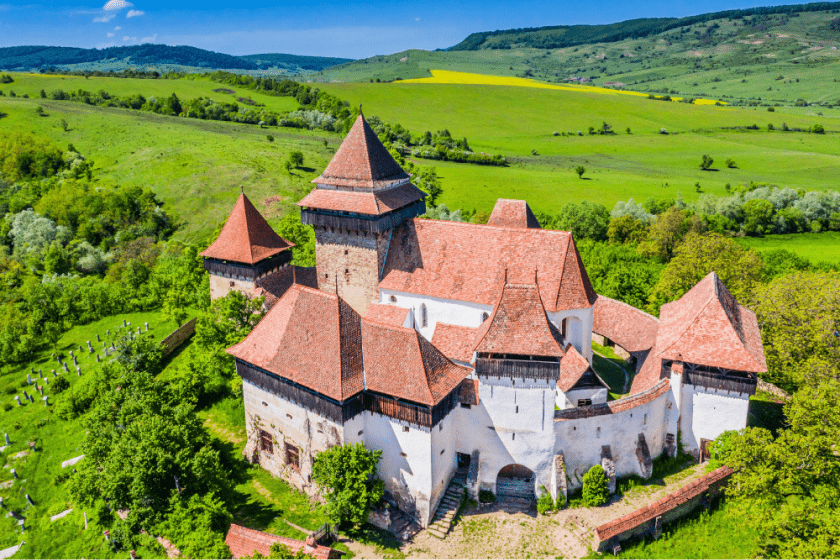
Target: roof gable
<point x="707" y="327"/>
<point x="519" y="325"/>
<point x="401" y="363"/>
<point x="362" y="161"/>
<point x="631" y="328"/>
<point x="467" y="262"/>
<point x="512" y="213"/>
<point x="246" y="237"/>
<point x="312" y="338"/>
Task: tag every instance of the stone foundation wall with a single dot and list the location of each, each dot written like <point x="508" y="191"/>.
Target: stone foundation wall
<point x="177" y="337"/>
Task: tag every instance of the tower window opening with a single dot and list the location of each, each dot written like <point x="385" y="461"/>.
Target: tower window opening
<point x="393" y="299"/>
<point x="424" y="315"/>
<point x="484" y="316"/>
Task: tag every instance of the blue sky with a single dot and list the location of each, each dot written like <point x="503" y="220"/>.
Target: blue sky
<point x="323" y="28"/>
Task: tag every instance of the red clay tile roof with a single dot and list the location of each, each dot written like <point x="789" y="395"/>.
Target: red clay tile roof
<point x="455" y="342"/>
<point x="312" y="338"/>
<point x="613" y="407"/>
<point x="468" y="262"/>
<point x="519" y="325"/>
<point x="649" y="374"/>
<point x="371" y="203"/>
<point x="513" y="214"/>
<point x="275" y="285"/>
<point x="362" y="161"/>
<point x="243" y="542"/>
<point x="468" y="392"/>
<point x="632" y="329"/>
<point x="389" y="314"/>
<point x="671" y="501"/>
<point x="573" y="367"/>
<point x="401" y="363"/>
<point x="246" y="237"/>
<point x="707" y="326"/>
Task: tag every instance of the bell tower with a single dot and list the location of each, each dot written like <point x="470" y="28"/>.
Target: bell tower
<point x="360" y="198"/>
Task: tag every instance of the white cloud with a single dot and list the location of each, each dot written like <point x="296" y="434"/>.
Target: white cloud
<point x="104" y="18"/>
<point x="417" y="19"/>
<point x="110" y="35"/>
<point x="126" y="38"/>
<point x="116" y="5"/>
<point x="134" y="13"/>
<point x="117" y="28"/>
<point x="151" y="39"/>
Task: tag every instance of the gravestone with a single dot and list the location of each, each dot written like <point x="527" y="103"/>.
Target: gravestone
<point x="14" y="473"/>
<point x="7" y="439"/>
<point x="98" y="339"/>
<point x="17" y="398"/>
<point x="124" y="323"/>
<point x="28" y="499"/>
<point x="30" y="398"/>
<point x="46" y="400"/>
<point x="29" y="379"/>
<point x="66" y="369"/>
<point x="97" y="358"/>
<point x="79" y="371"/>
<point x="147" y="326"/>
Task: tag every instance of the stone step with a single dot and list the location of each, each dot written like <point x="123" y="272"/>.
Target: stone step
<point x="436" y="533"/>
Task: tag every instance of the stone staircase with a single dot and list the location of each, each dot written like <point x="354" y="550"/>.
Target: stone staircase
<point x="448" y="507"/>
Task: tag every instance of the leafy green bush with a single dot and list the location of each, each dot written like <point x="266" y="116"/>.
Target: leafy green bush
<point x="60" y="385"/>
<point x="347" y="476"/>
<point x="545" y="503"/>
<point x="486" y="497"/>
<point x="595" y="491"/>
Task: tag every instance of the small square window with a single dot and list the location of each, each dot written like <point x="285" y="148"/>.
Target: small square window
<point x="265" y="403"/>
<point x="346" y="251"/>
<point x="465" y="405"/>
<point x="292" y="456"/>
<point x="442" y="451"/>
<point x="584" y="402"/>
<point x="403" y="454"/>
<point x="405" y="428"/>
<point x="346" y="271"/>
<point x="289" y="416"/>
<point x="393" y="299"/>
<point x="361" y="432"/>
<point x="266" y="442"/>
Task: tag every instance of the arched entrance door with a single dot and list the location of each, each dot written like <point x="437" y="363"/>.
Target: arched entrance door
<point x="515" y="481"/>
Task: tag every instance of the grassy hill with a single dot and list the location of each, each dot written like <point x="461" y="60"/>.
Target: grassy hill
<point x="157" y="57"/>
<point x="764" y="58"/>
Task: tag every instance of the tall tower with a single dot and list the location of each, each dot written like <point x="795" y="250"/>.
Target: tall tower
<point x="246" y="251"/>
<point x="360" y="198"/>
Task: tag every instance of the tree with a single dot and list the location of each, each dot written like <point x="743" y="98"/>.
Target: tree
<point x="626" y="229"/>
<point x="580" y="170"/>
<point x="269" y="137"/>
<point x="818" y="129"/>
<point x="758" y="216"/>
<point x="347" y="476"/>
<point x="706" y="162"/>
<point x="39" y="111"/>
<point x="64" y="126"/>
<point x="296" y="158"/>
<point x="667" y="231"/>
<point x="798" y="314"/>
<point x="595" y="489"/>
<point x="197" y="526"/>
<point x="302" y="236"/>
<point x="730" y="163"/>
<point x="586" y="220"/>
<point x="699" y="254"/>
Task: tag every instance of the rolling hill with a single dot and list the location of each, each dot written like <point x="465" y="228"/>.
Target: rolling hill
<point x="158" y="57"/>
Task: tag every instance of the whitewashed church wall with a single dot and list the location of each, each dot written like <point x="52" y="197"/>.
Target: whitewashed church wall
<point x="504" y="436"/>
<point x="444" y="448"/>
<point x="580" y="334"/>
<point x="450" y="311"/>
<point x="406" y="465"/>
<point x="580" y="440"/>
<point x="707" y="413"/>
<point x="287" y="423"/>
<point x="598" y="395"/>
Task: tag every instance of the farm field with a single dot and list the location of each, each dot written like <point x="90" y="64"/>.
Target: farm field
<point x="816" y="247"/>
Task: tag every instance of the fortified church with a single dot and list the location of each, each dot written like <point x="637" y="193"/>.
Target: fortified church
<point x="461" y="349"/>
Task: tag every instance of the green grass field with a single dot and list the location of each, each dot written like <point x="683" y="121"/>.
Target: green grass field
<point x="816" y="247"/>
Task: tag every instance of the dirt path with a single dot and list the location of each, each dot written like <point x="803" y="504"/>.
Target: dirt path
<point x="491" y="533"/>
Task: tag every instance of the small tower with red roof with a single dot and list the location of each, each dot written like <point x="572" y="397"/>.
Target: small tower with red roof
<point x="360" y="198"/>
<point x="246" y="251"/>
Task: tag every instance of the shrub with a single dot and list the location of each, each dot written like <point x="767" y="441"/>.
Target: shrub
<point x="545" y="503"/>
<point x="484" y="496"/>
<point x="60" y="385"/>
<point x="347" y="476"/>
<point x="706" y="162"/>
<point x="269" y="137"/>
<point x="580" y="170"/>
<point x="7" y="407"/>
<point x="296" y="158"/>
<point x="595" y="491"/>
<point x="818" y="129"/>
<point x="730" y="163"/>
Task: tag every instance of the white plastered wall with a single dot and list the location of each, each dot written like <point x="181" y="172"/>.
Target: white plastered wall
<point x="569" y="399"/>
<point x="444" y="448"/>
<point x="579" y="332"/>
<point x="580" y="440"/>
<point x="706" y="413"/>
<point x="450" y="311"/>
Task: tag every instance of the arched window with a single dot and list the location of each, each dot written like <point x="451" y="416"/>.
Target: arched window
<point x="424" y="316"/>
<point x="393" y="299"/>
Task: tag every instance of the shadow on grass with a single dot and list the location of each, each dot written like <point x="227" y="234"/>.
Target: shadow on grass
<point x="383" y="541"/>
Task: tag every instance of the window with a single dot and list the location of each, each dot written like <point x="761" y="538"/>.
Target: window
<point x="292" y="457"/>
<point x="346" y="251"/>
<point x="442" y="451"/>
<point x="465" y="405"/>
<point x="403" y="454"/>
<point x="289" y="416"/>
<point x="484" y="316"/>
<point x="513" y="436"/>
<point x="517" y="410"/>
<point x="424" y="316"/>
<point x="266" y="442"/>
<point x="584" y="402"/>
<point x="346" y="271"/>
<point x="361" y="432"/>
<point x="265" y="403"/>
<point x="393" y="299"/>
<point x="327" y="275"/>
<point x="598" y="433"/>
<point x="405" y="428"/>
<point x="645" y="420"/>
<point x="440" y="427"/>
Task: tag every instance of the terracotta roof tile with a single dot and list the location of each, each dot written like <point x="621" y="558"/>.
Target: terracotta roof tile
<point x="275" y="285"/>
<point x="362" y="161"/>
<point x="468" y="262"/>
<point x="468" y="392"/>
<point x="519" y="325"/>
<point x="401" y="363"/>
<point x="373" y="203"/>
<point x="648" y="513"/>
<point x="246" y="237"/>
<point x="312" y="338"/>
<point x="707" y="326"/>
<point x="513" y="214"/>
<point x="454" y="341"/>
<point x="632" y="329"/>
<point x="243" y="542"/>
<point x="574" y="368"/>
<point x="649" y="374"/>
<point x="389" y="314"/>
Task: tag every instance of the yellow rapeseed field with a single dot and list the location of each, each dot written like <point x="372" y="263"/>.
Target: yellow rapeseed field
<point x="450" y="77"/>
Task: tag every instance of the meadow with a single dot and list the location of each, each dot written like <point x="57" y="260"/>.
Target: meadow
<point x="816" y="247"/>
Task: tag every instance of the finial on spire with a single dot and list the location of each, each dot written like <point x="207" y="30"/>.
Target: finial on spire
<point x="360" y="108"/>
<point x="242" y="189"/>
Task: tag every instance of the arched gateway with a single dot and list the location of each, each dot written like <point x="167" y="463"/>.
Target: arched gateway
<point x="515" y="481"/>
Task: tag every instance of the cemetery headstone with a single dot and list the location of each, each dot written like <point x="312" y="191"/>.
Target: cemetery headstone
<point x="17" y="398"/>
